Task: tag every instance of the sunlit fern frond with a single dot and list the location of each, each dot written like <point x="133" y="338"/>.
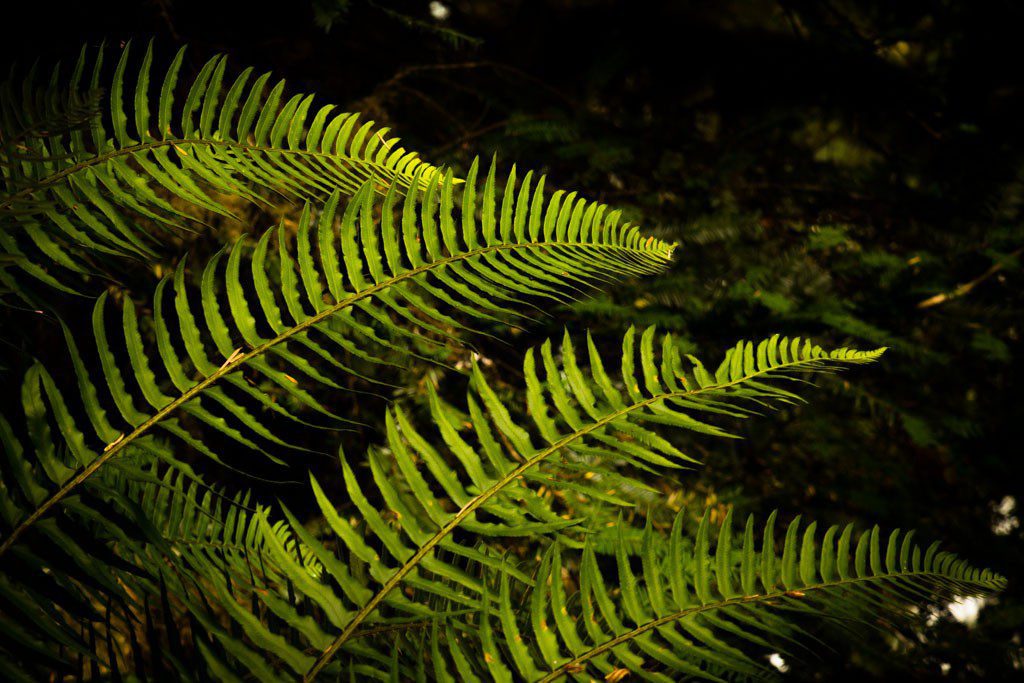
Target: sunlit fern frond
<point x="309" y="301"/>
<point x="705" y="610"/>
<point x="100" y="162"/>
<point x="487" y="482"/>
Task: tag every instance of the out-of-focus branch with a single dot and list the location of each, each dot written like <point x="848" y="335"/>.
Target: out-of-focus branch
<point x="966" y="288"/>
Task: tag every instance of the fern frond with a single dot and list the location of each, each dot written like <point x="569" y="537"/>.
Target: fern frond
<point x="540" y="248"/>
<point x="481" y="484"/>
<point x="599" y="419"/>
<point x="143" y="154"/>
<point x="697" y="612"/>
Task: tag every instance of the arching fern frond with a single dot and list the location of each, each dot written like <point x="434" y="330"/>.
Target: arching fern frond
<point x="491" y="477"/>
<point x="540" y="248"/>
<point x="426" y="521"/>
<point x="156" y="144"/>
<point x="698" y="609"/>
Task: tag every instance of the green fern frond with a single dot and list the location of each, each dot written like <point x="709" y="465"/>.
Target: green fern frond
<point x="600" y="420"/>
<point x="540" y="248"/>
<point x="695" y="612"/>
<point x="535" y="247"/>
<point x="481" y="484"/>
<point x="144" y="154"/>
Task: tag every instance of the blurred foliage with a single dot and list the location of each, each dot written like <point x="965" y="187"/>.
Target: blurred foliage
<point x="850" y="171"/>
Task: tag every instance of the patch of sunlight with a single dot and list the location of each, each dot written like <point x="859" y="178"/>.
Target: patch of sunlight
<point x="439" y="10"/>
<point x="1006" y="521"/>
<point x="966" y="610"/>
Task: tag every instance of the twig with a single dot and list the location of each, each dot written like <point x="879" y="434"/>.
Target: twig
<point x="966" y="288"/>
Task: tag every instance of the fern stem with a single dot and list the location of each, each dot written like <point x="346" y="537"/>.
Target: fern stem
<point x="243" y="358"/>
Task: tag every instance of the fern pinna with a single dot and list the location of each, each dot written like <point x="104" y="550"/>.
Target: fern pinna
<point x="479" y="548"/>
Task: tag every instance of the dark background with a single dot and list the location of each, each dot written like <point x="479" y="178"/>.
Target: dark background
<point x="825" y="166"/>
